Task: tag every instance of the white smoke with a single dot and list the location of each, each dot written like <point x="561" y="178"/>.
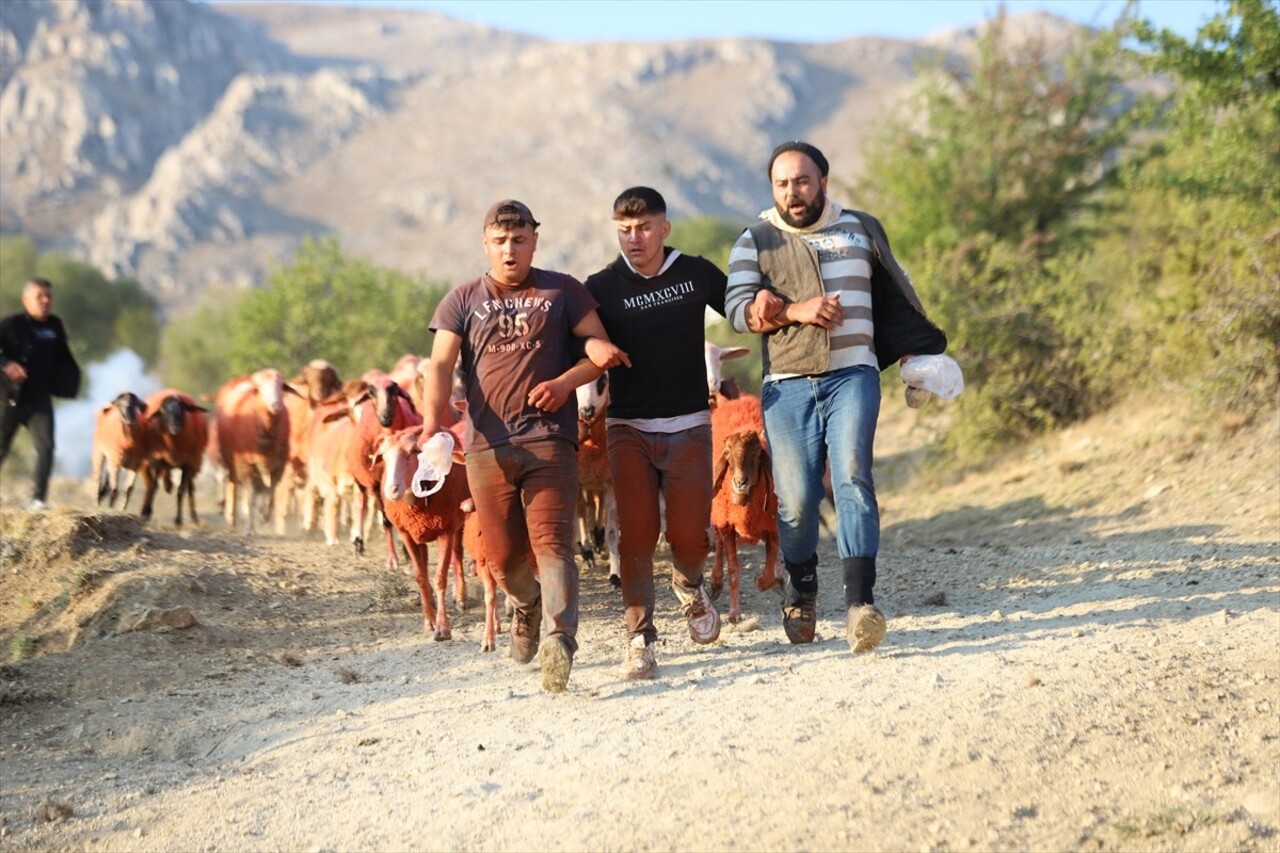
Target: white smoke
<point x="73" y="420"/>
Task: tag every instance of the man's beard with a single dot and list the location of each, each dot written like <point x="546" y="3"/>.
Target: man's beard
<point x="812" y="212"/>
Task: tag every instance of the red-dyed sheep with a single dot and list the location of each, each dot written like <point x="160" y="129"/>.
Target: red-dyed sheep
<point x="423" y="520"/>
<point x="119" y="445"/>
<point x="382" y="409"/>
<point x="252" y="438"/>
<point x="743" y="504"/>
<point x="597" y="506"/>
<point x="177" y="432"/>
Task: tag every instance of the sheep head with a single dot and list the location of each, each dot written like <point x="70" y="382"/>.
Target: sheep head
<point x="172" y="413"/>
<point x="745" y="462"/>
<point x="399" y="455"/>
<point x="130" y="407"/>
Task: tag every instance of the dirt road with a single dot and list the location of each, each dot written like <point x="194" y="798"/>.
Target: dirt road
<point x="1083" y="653"/>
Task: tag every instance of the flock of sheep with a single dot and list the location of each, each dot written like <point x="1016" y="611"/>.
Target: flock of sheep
<point x="321" y="450"/>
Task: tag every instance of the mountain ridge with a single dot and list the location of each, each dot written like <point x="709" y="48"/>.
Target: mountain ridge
<point x="190" y="144"/>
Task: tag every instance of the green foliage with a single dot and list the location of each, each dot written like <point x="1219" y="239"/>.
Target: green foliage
<point x="991" y="184"/>
<point x="1228" y="105"/>
<point x="1024" y="339"/>
<point x="707" y="236"/>
<point x="1014" y="145"/>
<point x="1202" y="252"/>
<point x="324" y="305"/>
<point x="18" y="257"/>
<point x="193" y="352"/>
<point x="101" y="315"/>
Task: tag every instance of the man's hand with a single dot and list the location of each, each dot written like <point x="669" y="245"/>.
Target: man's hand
<point x="550" y="395"/>
<point x="766" y="306"/>
<point x="605" y="354"/>
<point x="16" y="372"/>
<point x="824" y="311"/>
<point x="429" y="428"/>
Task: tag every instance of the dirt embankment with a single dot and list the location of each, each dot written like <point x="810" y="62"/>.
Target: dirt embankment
<point x="1084" y="653"/>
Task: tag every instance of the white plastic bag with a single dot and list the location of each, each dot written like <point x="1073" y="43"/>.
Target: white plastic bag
<point x="434" y="461"/>
<point x="937" y="374"/>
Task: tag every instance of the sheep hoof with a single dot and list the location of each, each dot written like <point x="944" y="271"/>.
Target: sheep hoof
<point x="765" y="584"/>
<point x="488" y="646"/>
<point x="715" y="588"/>
<point x="734" y="617"/>
<point x="615" y="581"/>
<point x="443" y="634"/>
<point x="359" y="543"/>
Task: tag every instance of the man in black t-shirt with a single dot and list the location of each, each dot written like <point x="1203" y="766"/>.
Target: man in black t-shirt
<point x="36" y="365"/>
<point x="653" y="302"/>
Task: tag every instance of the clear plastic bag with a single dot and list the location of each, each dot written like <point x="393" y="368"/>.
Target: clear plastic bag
<point x="937" y="374"/>
<point x="434" y="461"/>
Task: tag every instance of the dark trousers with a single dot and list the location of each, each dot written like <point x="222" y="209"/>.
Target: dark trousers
<point x="37" y="416"/>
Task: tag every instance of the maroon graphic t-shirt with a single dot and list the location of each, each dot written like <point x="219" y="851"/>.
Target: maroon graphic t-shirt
<point x="512" y="339"/>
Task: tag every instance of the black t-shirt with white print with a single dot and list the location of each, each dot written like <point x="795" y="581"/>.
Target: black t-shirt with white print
<point x="660" y="323"/>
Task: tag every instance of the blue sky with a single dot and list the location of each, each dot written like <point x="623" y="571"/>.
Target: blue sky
<point x="787" y="20"/>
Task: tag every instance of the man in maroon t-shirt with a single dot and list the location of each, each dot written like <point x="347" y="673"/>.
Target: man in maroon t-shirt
<point x="514" y="327"/>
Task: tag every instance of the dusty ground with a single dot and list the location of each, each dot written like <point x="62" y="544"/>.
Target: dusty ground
<point x="1084" y="653"/>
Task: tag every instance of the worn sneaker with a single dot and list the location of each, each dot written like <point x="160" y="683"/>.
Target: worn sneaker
<point x="865" y="628"/>
<point x="640" y="661"/>
<point x="704" y="621"/>
<point x="799" y="615"/>
<point x="526" y="630"/>
<point x="556" y="660"/>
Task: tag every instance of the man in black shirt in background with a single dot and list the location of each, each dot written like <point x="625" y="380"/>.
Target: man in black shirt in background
<point x="653" y="302"/>
<point x="36" y="365"/>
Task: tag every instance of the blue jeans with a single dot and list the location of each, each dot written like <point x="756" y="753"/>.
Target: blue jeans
<point x="808" y="421"/>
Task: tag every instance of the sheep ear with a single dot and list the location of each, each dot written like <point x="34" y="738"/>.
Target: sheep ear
<point x="192" y="407"/>
<point x="766" y="476"/>
<point x="722" y="468"/>
<point x="289" y="389"/>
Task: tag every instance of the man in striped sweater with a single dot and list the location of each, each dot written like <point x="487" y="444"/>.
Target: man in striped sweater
<point x="821" y="285"/>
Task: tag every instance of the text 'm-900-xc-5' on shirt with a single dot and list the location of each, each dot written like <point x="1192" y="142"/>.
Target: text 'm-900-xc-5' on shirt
<point x="512" y="339"/>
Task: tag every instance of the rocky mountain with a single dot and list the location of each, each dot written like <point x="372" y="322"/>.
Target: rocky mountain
<point x="189" y="144"/>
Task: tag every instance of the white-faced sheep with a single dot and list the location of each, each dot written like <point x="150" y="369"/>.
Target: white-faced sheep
<point x="252" y="438"/>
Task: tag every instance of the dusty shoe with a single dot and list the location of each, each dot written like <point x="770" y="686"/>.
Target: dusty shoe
<point x="799" y="616"/>
<point x="704" y="621"/>
<point x="640" y="661"/>
<point x="526" y="630"/>
<point x="865" y="628"/>
<point x="557" y="660"/>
